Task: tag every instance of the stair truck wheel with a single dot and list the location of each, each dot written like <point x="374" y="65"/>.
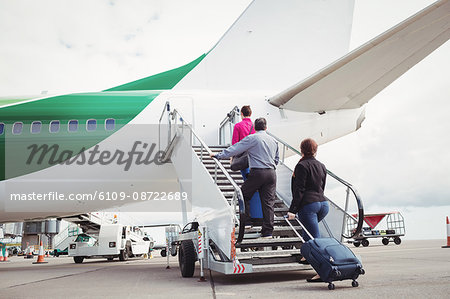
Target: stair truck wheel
<point x="365" y="242"/>
<point x="385" y="241"/>
<point x="123" y="255"/>
<point x="78" y="259"/>
<point x="187" y="257"/>
<point x="356" y="243"/>
<point x="173" y="252"/>
<point x="397" y="240"/>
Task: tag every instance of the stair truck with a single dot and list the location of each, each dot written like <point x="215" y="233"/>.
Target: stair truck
<point x="216" y="238"/>
<point x="112" y="241"/>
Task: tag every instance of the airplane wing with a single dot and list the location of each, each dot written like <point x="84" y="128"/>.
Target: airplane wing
<point x="353" y="80"/>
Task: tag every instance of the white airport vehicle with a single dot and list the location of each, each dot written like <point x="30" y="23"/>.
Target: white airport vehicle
<point x="113" y="240"/>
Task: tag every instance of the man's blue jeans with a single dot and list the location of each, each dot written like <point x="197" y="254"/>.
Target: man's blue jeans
<point x="310" y="215"/>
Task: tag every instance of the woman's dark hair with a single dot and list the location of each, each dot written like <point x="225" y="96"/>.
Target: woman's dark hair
<point x="308" y="147"/>
<point x="260" y="124"/>
<point x="246" y="111"/>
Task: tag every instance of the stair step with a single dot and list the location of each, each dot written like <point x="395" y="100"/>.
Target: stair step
<point x="213" y="162"/>
<point x="272" y="260"/>
<point x="280" y="267"/>
<point x="269" y="242"/>
<point x="267" y="253"/>
<point x="210" y="146"/>
<point x="257" y="229"/>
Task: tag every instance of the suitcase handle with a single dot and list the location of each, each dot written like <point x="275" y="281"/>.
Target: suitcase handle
<point x="295" y="231"/>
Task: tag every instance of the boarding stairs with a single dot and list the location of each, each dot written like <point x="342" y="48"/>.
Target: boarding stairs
<point x="89" y="222"/>
<point x="65" y="237"/>
<point x="223" y="204"/>
<point x="279" y="253"/>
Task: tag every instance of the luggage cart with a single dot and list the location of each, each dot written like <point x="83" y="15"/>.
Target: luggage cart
<point x="394" y="229"/>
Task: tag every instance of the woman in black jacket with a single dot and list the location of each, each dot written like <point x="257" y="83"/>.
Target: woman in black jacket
<point x="307" y="186"/>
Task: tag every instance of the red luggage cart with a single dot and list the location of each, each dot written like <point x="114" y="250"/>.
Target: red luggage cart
<point x="394" y="229"/>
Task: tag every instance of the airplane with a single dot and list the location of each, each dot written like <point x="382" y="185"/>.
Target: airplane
<point x="288" y="60"/>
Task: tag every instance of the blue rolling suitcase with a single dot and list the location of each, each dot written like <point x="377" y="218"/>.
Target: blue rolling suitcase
<point x="332" y="260"/>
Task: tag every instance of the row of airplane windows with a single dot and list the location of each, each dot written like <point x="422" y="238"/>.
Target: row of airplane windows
<point x="55" y="126"/>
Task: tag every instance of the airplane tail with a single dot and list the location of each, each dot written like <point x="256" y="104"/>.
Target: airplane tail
<point x="273" y="43"/>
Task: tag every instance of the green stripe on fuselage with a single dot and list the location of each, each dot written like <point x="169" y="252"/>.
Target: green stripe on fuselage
<point x="165" y="80"/>
<point x="4" y="102"/>
<point x="121" y="106"/>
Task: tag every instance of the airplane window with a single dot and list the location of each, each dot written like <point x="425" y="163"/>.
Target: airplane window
<point x="17" y="128"/>
<point x="36" y="127"/>
<point x="73" y="125"/>
<point x="110" y="124"/>
<point x="91" y="125"/>
<point x="54" y="126"/>
<point x="2" y="128"/>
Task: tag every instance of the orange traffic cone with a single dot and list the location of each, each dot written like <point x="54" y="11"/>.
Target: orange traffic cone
<point x="5" y="258"/>
<point x="1" y="255"/>
<point x="448" y="235"/>
<point x="40" y="259"/>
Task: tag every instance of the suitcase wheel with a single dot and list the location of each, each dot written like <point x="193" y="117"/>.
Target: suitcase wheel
<point x="355" y="284"/>
<point x="331" y="286"/>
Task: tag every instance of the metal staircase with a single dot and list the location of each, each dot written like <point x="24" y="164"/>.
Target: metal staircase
<point x="277" y="254"/>
<point x="217" y="238"/>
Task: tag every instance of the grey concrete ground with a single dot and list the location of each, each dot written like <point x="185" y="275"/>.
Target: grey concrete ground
<point x="414" y="269"/>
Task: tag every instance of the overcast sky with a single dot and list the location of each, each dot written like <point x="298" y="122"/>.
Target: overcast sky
<point x="398" y="160"/>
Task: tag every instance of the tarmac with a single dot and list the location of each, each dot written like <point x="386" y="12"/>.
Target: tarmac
<point x="413" y="269"/>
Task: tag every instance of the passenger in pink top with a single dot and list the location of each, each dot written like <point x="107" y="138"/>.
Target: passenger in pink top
<point x="242" y="128"/>
<point x="240" y="131"/>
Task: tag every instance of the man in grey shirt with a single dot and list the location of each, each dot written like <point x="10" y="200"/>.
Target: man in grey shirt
<point x="262" y="159"/>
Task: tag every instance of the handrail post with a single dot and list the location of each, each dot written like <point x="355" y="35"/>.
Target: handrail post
<point x="201" y="153"/>
<point x="215" y="172"/>
<point x="344" y="219"/>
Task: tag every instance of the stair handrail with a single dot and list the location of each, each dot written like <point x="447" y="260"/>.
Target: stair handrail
<point x="229" y="119"/>
<point x="166" y="108"/>
<point x="237" y="190"/>
<point x="360" y="219"/>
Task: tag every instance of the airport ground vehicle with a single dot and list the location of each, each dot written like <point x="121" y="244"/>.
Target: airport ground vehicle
<point x="393" y="229"/>
<point x="112" y="241"/>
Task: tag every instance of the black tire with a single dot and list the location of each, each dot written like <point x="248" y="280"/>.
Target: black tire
<point x="365" y="242"/>
<point x="78" y="259"/>
<point x="55" y="253"/>
<point x="123" y="255"/>
<point x="397" y="240"/>
<point x="331" y="286"/>
<point x="356" y="243"/>
<point x="385" y="241"/>
<point x="163" y="253"/>
<point x="173" y="252"/>
<point x="187" y="257"/>
<point x="355" y="284"/>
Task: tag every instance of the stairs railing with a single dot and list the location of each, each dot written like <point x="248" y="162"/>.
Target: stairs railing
<point x="349" y="218"/>
<point x="238" y="198"/>
<point x="227" y="125"/>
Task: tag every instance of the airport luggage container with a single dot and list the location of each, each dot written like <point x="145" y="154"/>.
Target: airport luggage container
<point x="394" y="229"/>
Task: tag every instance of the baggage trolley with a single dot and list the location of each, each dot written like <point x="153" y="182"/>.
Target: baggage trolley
<point x="394" y="228"/>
